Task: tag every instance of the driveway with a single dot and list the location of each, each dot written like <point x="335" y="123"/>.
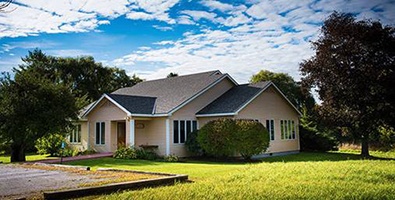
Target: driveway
<point x="17" y="181"/>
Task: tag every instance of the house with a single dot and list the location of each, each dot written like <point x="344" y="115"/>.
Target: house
<point x="160" y="113"/>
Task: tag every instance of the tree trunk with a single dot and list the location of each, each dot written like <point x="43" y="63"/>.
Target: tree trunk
<point x="365" y="146"/>
<point x="18" y="153"/>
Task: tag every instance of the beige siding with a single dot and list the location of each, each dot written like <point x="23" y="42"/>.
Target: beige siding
<point x="153" y="133"/>
<point x="109" y="113"/>
<point x="271" y="105"/>
<point x="83" y="145"/>
<point x="189" y="111"/>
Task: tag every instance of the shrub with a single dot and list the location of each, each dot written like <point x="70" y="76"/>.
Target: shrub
<point x="217" y="137"/>
<point x="146" y="154"/>
<point x="171" y="158"/>
<point x="252" y="138"/>
<point x="192" y="144"/>
<point x="125" y="153"/>
<point x="50" y="144"/>
<point x="312" y="140"/>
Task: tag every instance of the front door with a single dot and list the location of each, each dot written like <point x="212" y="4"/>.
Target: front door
<point x="121" y="134"/>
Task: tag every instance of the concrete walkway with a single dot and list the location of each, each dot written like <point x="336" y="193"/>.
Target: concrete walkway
<point x="74" y="158"/>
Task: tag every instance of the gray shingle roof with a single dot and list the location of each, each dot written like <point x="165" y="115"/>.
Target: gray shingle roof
<point x="172" y="92"/>
<point x="234" y="99"/>
<point x="135" y="104"/>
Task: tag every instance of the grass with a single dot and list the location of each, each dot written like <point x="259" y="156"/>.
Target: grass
<point x="29" y="157"/>
<point x="333" y="175"/>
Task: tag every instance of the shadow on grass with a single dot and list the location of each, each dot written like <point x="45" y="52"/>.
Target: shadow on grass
<point x="301" y="157"/>
<point x="320" y="156"/>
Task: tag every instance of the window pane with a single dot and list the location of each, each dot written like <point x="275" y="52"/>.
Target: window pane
<point x="189" y="127"/>
<point x="103" y="133"/>
<point x="282" y="129"/>
<point x="272" y="127"/>
<point x="79" y="133"/>
<point x="97" y="133"/>
<point x="293" y="130"/>
<point x="194" y="125"/>
<point x="175" y="131"/>
<point x="289" y="129"/>
<point x="182" y="131"/>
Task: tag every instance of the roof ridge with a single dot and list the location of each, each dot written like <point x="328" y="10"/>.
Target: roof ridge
<point x="212" y="72"/>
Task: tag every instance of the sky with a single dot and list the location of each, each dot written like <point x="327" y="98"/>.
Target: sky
<point x="151" y="38"/>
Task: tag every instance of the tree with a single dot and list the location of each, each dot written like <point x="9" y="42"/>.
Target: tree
<point x="354" y="73"/>
<point x="172" y="74"/>
<point x="87" y="79"/>
<point x="288" y="86"/>
<point x="32" y="106"/>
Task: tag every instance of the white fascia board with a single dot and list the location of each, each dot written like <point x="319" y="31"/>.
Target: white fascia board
<point x="92" y="106"/>
<point x="111" y="100"/>
<point x="201" y="92"/>
<point x="253" y="98"/>
<point x="149" y="115"/>
<point x="287" y="99"/>
<point x="216" y="115"/>
<point x="264" y="89"/>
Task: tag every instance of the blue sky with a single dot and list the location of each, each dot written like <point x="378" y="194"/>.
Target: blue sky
<point x="152" y="38"/>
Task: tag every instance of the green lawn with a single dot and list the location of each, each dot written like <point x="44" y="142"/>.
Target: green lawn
<point x="335" y="175"/>
<point x="32" y="157"/>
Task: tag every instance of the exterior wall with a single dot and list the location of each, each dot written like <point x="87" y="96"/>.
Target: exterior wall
<point x="151" y="132"/>
<point x="271" y="105"/>
<point x="188" y="112"/>
<point x="109" y="113"/>
<point x="83" y="145"/>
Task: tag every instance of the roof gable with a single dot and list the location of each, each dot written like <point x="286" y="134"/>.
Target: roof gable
<point x="237" y="98"/>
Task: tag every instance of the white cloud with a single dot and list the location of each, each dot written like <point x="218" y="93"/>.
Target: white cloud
<point x="68" y="52"/>
<point x="62" y="16"/>
<point x="163" y="28"/>
<point x="197" y="15"/>
<point x="274" y="35"/>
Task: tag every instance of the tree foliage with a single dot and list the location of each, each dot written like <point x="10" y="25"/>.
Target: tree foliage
<point x="172" y="74"/>
<point x="354" y="72"/>
<point x="86" y="78"/>
<point x="292" y="89"/>
<point x="228" y="137"/>
<point x="32" y="106"/>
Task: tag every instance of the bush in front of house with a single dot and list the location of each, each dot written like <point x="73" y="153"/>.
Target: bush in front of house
<point x="50" y="144"/>
<point x="217" y="137"/>
<point x="252" y="138"/>
<point x="229" y="137"/>
<point x="135" y="153"/>
<point x="125" y="153"/>
<point x="171" y="158"/>
<point x="193" y="145"/>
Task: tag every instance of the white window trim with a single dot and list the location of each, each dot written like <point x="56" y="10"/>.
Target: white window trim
<point x="74" y="132"/>
<point x="287" y="129"/>
<point x="185" y="129"/>
<point x="100" y="138"/>
<point x="271" y="128"/>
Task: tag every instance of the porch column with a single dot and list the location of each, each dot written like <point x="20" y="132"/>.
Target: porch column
<point x="167" y="137"/>
<point x="131" y="130"/>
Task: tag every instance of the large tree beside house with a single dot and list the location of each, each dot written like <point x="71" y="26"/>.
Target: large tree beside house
<point x="32" y="106"/>
<point x="353" y="70"/>
<point x="86" y="78"/>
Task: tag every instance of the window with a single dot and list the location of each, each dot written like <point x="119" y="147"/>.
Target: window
<point x="181" y="129"/>
<point x="75" y="136"/>
<point x="288" y="129"/>
<point x="270" y="128"/>
<point x="100" y="132"/>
